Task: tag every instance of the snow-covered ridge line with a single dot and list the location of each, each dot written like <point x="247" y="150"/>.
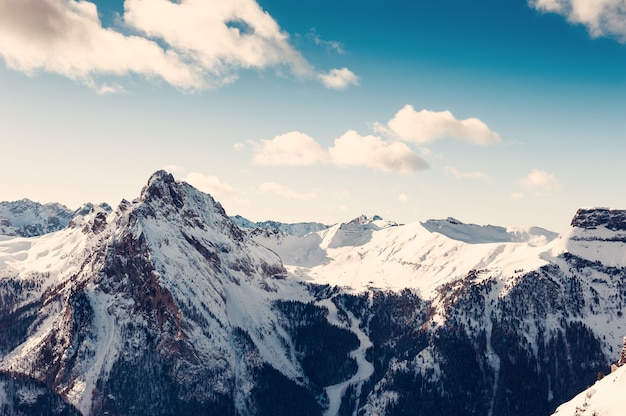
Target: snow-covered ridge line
<point x="299" y="229"/>
<point x="377" y="254"/>
<point x="26" y="218"/>
<point x="166" y="305"/>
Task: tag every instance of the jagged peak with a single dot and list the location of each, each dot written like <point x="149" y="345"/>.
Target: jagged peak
<point x="88" y="207"/>
<point x="365" y="219"/>
<point x="90" y="217"/>
<point x="592" y="218"/>
<point x="161" y="186"/>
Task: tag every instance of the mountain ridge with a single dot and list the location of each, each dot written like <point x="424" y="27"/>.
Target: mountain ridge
<point x="164" y="304"/>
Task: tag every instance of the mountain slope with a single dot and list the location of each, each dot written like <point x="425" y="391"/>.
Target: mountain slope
<point x="165" y="306"/>
<point x="143" y="305"/>
<point x="505" y="304"/>
<point x="604" y="398"/>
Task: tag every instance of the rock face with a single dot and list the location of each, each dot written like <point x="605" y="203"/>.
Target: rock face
<point x="165" y="306"/>
<point x="612" y="219"/>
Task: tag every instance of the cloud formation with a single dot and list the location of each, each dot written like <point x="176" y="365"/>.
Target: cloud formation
<point x="538" y="182"/>
<point x="66" y="37"/>
<point x="209" y="184"/>
<point x="190" y="44"/>
<point x="331" y="45"/>
<point x="425" y="126"/>
<point x="393" y="155"/>
<point x="284" y="192"/>
<point x="601" y="17"/>
<point x="291" y="149"/>
<point x="349" y="150"/>
<point x="451" y="170"/>
<point x="339" y="79"/>
<point x="352" y="149"/>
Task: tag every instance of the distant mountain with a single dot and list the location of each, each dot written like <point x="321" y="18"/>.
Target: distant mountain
<point x="165" y="306"/>
<point x="27" y="218"/>
<point x="299" y="229"/>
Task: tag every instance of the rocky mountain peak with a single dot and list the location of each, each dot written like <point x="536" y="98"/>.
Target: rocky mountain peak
<point x="592" y="218"/>
<point x="162" y="187"/>
<point x="28" y="219"/>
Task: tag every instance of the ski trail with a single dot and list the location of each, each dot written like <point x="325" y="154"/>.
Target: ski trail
<point x="365" y="369"/>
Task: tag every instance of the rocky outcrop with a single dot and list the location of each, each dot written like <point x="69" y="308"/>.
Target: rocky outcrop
<point x="592" y="218"/>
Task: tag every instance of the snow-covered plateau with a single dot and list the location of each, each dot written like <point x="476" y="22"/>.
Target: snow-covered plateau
<point x="165" y="305"/>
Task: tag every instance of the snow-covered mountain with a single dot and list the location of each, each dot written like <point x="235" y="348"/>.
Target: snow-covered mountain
<point x="377" y="254"/>
<point x="529" y="313"/>
<point x="165" y="306"/>
<point x="604" y="398"/>
<point x="299" y="229"/>
<point x="27" y="218"/>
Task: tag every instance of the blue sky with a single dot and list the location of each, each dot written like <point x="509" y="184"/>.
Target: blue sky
<point x="509" y="113"/>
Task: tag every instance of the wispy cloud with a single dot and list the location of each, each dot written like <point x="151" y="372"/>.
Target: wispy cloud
<point x="190" y="44"/>
<point x="209" y="184"/>
<point x="425" y="126"/>
<point x="601" y="17"/>
<point x="174" y="168"/>
<point x="537" y="182"/>
<point x="284" y="192"/>
<point x="331" y="45"/>
<point x="339" y="79"/>
<point x="351" y="149"/>
<point x="452" y="171"/>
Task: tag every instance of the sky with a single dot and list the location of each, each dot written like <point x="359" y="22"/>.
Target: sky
<point x="508" y="113"/>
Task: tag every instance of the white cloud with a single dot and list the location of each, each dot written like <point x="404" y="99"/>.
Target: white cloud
<point x="66" y="37"/>
<point x="285" y="192"/>
<point x="190" y="44"/>
<point x="221" y="36"/>
<point x="332" y="45"/>
<point x="425" y="126"/>
<point x="291" y="149"/>
<point x="209" y="184"/>
<point x="173" y="168"/>
<point x="403" y="197"/>
<point x="601" y="17"/>
<point x="338" y="79"/>
<point x="539" y="181"/>
<point x="451" y="170"/>
<point x="352" y="149"/>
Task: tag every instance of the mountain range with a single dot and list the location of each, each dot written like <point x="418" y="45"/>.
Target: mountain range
<point x="166" y="305"/>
